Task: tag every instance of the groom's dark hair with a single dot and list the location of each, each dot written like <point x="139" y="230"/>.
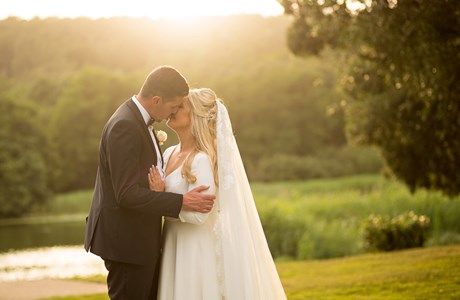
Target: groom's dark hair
<point x="166" y="82"/>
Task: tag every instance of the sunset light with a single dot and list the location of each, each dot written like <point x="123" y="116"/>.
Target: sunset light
<point x="155" y="9"/>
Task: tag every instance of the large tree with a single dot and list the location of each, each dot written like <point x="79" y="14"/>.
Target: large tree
<point x="402" y="75"/>
<point x="23" y="180"/>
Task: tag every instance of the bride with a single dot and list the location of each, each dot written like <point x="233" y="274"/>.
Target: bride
<point x="222" y="254"/>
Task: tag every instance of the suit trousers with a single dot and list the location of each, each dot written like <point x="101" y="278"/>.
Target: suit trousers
<point x="132" y="282"/>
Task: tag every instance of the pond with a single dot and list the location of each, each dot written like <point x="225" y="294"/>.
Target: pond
<point x="43" y="233"/>
<point x="38" y="249"/>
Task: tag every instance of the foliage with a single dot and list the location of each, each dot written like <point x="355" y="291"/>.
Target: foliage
<point x="330" y="163"/>
<point x="401" y="75"/>
<point x="23" y="182"/>
<point x="86" y="102"/>
<point x="323" y="218"/>
<point x="406" y="230"/>
<point x="276" y="224"/>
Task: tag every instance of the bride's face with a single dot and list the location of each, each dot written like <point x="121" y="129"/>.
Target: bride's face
<point x="161" y="110"/>
<point x="181" y="119"/>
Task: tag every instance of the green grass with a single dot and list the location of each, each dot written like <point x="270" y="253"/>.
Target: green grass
<point x="311" y="214"/>
<point x="68" y="207"/>
<point x="429" y="273"/>
<point x="77" y="202"/>
<point x="424" y="273"/>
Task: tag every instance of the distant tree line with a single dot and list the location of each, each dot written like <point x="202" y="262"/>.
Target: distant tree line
<point x="60" y="80"/>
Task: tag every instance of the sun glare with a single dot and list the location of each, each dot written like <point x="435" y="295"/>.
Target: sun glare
<point x="178" y="9"/>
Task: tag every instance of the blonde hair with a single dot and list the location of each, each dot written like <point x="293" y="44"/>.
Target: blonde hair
<point x="203" y="114"/>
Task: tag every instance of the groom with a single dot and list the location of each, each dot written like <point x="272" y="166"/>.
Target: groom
<point x="125" y="219"/>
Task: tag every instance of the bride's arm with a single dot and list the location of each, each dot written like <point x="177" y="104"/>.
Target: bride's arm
<point x="203" y="171"/>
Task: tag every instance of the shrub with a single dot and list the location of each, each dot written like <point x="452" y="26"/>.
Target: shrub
<point x="282" y="232"/>
<point x="446" y="238"/>
<point x="301" y="235"/>
<point x="327" y="238"/>
<point x="406" y="230"/>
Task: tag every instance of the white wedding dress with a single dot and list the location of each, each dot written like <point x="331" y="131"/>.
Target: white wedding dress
<point x="189" y="264"/>
<point x="223" y="254"/>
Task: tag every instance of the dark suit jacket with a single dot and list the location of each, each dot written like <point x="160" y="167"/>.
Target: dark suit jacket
<point x="125" y="219"/>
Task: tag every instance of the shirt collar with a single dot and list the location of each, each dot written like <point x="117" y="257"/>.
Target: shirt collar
<point x="144" y="112"/>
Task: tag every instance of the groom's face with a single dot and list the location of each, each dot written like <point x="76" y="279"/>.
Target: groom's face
<point x="181" y="119"/>
<point x="164" y="109"/>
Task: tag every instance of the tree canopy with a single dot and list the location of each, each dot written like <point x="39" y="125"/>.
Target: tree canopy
<point x="401" y="75"/>
<point x="23" y="180"/>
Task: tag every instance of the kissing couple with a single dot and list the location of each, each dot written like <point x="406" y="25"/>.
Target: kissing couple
<point x="211" y="245"/>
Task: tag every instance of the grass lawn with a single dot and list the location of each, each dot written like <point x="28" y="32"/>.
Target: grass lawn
<point x="425" y="273"/>
<point x="429" y="273"/>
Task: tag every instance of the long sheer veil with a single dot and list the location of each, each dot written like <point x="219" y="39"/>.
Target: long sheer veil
<point x="247" y="269"/>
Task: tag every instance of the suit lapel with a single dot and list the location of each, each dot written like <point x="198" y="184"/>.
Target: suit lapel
<point x="159" y="148"/>
<point x="132" y="106"/>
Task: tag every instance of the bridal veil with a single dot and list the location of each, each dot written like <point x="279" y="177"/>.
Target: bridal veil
<point x="247" y="270"/>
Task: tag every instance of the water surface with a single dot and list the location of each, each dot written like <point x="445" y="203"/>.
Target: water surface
<point x="45" y="248"/>
<point x="42" y="233"/>
<point x="49" y="262"/>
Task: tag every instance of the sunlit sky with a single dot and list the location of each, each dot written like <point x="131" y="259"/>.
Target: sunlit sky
<point x="177" y="9"/>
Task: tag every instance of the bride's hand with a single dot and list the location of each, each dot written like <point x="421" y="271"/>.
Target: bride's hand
<point x="156" y="183"/>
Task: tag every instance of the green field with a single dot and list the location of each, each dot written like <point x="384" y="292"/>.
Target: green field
<point x="426" y="273"/>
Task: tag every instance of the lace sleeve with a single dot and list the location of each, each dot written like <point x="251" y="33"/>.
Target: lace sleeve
<point x="202" y="169"/>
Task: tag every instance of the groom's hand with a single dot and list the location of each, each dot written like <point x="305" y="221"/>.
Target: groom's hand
<point x="194" y="200"/>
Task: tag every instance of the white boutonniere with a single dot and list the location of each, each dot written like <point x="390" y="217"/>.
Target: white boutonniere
<point x="161" y="136"/>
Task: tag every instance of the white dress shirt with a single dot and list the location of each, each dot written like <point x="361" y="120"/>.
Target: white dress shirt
<point x="147" y="118"/>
